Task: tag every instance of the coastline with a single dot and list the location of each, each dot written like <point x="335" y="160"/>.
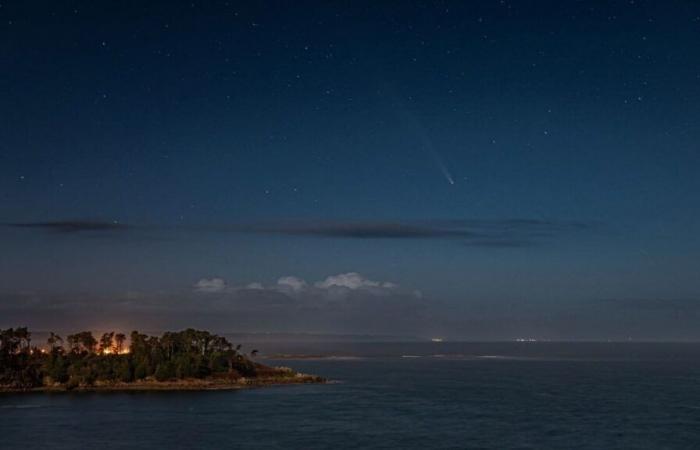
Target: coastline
<point x="189" y="384"/>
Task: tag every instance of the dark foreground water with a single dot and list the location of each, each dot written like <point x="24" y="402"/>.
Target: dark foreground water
<point x="577" y="397"/>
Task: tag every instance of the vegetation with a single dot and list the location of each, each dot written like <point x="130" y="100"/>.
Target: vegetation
<point x="86" y="361"/>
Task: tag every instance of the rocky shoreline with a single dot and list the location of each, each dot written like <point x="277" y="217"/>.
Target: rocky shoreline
<point x="190" y="384"/>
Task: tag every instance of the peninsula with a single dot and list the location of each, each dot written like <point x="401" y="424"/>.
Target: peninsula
<point x="184" y="360"/>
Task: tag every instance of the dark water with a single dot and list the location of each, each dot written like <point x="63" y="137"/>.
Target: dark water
<point x="626" y="397"/>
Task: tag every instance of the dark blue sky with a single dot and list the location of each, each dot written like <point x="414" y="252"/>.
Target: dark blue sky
<point x="489" y="169"/>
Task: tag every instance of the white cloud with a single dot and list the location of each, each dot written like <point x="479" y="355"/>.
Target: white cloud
<point x="291" y="283"/>
<point x="210" y="285"/>
<point x="352" y="281"/>
<point x="335" y="286"/>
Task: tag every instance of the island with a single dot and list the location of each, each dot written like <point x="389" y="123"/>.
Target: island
<point x="184" y="360"/>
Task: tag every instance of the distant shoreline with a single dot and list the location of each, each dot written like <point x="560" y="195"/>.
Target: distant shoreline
<point x="190" y="384"/>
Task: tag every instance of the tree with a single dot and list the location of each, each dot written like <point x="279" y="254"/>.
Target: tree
<point x="73" y="343"/>
<point x="88" y="341"/>
<point x="185" y="354"/>
<point x="106" y="343"/>
<point x="164" y="371"/>
<point x="123" y="370"/>
<point x="24" y="337"/>
<point x="141" y="371"/>
<point x="83" y="342"/>
<point x="56" y="367"/>
<point x="9" y="342"/>
<point x="119" y="339"/>
<point x="20" y="364"/>
<point x="55" y="342"/>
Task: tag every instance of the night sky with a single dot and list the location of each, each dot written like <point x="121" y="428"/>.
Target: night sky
<point x="476" y="170"/>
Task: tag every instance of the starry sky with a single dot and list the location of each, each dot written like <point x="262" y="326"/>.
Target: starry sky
<point x="473" y="170"/>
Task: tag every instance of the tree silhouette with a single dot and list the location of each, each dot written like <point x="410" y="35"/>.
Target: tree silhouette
<point x="175" y="355"/>
<point x="106" y="343"/>
<point x="119" y="339"/>
<point x="55" y="342"/>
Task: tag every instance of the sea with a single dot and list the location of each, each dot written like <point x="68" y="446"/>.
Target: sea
<point x="413" y="395"/>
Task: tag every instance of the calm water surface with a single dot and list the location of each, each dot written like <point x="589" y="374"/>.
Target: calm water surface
<point x="633" y="397"/>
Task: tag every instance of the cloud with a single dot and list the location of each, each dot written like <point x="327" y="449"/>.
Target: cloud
<point x="356" y="230"/>
<point x="292" y="283"/>
<point x="496" y="233"/>
<point x="333" y="287"/>
<point x="486" y="233"/>
<point x="352" y="281"/>
<point x="210" y="285"/>
<point x="73" y="226"/>
<point x="501" y="243"/>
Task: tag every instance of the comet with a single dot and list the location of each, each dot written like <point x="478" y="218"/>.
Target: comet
<point x="445" y="171"/>
<point x="413" y="122"/>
